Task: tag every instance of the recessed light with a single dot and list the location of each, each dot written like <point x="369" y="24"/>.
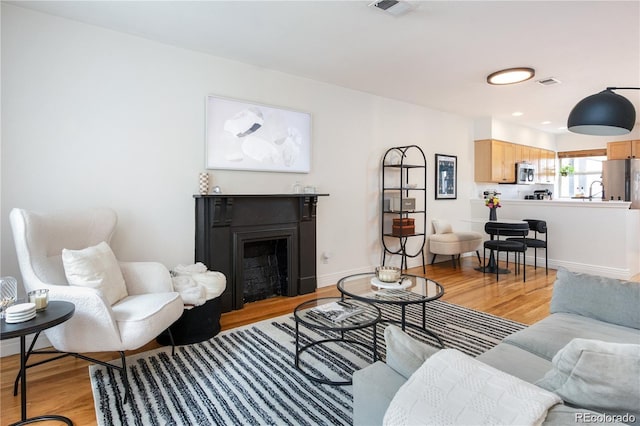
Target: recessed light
<point x="545" y="122"/>
<point x="511" y="76"/>
<point x="517" y="114"/>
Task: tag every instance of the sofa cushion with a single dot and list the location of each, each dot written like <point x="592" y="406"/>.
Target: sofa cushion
<point x="516" y="361"/>
<point x="95" y="267"/>
<point x="597" y="375"/>
<point x="548" y="336"/>
<point x="404" y="353"/>
<point x="373" y="389"/>
<point x="606" y="299"/>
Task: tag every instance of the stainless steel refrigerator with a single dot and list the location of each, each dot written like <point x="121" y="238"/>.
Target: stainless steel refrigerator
<point x="621" y="179"/>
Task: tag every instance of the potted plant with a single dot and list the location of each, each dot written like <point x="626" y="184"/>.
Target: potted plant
<point x="566" y="170"/>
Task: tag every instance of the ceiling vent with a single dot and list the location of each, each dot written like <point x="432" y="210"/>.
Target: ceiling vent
<point x="549" y="81"/>
<point x="392" y="7"/>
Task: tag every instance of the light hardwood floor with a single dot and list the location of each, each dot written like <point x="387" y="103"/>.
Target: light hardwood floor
<point x="63" y="386"/>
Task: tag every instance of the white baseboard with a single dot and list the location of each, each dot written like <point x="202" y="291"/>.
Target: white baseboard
<point x="600" y="270"/>
<point x="12" y="346"/>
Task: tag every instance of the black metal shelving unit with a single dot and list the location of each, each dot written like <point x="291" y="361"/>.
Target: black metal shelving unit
<point x="397" y="173"/>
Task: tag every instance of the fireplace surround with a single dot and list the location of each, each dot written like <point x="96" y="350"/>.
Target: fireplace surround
<point x="272" y="232"/>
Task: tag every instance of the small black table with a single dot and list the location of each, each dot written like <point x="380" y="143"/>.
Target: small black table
<point x="307" y="315"/>
<point x="56" y="313"/>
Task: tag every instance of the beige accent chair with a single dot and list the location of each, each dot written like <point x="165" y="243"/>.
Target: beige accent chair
<point x="148" y="307"/>
<point x="447" y="242"/>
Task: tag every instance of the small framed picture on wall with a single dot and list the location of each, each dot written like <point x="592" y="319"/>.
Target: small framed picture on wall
<point x="446" y="177"/>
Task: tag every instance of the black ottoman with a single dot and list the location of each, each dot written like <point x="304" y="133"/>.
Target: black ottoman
<point x="195" y="325"/>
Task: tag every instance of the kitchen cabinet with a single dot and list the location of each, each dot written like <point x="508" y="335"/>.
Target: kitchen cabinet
<point x="495" y="161"/>
<point x="546" y="171"/>
<point x="623" y="149"/>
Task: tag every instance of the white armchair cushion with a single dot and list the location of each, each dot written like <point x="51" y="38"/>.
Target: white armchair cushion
<point x="95" y="267"/>
<point x="142" y="317"/>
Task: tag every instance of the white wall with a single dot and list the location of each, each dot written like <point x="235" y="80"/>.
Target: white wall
<point x="96" y="117"/>
<point x="490" y="128"/>
<point x="573" y="141"/>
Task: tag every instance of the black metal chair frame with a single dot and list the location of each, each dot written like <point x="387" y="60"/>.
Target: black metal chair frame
<point x="538" y="227"/>
<point x="122" y="369"/>
<point x="515" y="245"/>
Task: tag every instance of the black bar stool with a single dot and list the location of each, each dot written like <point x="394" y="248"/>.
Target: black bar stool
<point x="515" y="245"/>
<point x="538" y="227"/>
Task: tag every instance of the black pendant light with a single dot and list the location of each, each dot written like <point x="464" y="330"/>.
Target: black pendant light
<point x="603" y="114"/>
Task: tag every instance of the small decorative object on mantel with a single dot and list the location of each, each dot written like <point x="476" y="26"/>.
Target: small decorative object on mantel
<point x="204" y="183"/>
<point x="493" y="202"/>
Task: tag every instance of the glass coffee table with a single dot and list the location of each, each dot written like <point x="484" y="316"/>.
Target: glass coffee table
<point x="323" y="315"/>
<point x="410" y="290"/>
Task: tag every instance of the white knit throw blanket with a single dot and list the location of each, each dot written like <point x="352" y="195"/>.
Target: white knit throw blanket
<point x="452" y="388"/>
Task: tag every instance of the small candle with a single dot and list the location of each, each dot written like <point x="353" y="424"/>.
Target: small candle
<point x="40" y="298"/>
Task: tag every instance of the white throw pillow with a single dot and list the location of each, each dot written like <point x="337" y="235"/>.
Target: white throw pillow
<point x="95" y="267"/>
<point x="441" y="227"/>
<point x="597" y="375"/>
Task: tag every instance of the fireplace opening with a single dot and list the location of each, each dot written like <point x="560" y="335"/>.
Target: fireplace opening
<point x="265" y="269"/>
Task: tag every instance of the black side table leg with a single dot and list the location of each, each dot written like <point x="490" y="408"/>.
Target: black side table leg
<point x="375" y="342"/>
<point x="297" y="342"/>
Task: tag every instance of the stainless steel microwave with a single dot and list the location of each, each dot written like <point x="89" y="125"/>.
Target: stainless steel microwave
<point x="525" y="173"/>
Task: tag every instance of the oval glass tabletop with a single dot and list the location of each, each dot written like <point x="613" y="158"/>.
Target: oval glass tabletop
<point x="337" y="313"/>
<point x="409" y="289"/>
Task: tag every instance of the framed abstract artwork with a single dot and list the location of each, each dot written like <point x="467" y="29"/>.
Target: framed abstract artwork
<point x="249" y="136"/>
<point x="446" y="177"/>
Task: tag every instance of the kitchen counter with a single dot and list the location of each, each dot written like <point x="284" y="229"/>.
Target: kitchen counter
<point x="580" y="202"/>
<point x="595" y="237"/>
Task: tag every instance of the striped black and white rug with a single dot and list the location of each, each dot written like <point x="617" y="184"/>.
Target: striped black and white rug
<point x="246" y="376"/>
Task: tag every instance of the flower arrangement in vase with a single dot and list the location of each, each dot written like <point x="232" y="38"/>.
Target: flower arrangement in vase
<point x="493" y="202"/>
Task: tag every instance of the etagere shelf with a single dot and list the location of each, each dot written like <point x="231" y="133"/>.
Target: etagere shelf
<point x="404" y="202"/>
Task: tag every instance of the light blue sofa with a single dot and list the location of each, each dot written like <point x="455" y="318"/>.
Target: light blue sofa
<point x="582" y="306"/>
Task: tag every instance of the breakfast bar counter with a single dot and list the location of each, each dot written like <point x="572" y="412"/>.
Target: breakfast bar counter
<point x="595" y="237"/>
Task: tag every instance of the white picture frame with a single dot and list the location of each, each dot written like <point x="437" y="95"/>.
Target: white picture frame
<point x="250" y="136"/>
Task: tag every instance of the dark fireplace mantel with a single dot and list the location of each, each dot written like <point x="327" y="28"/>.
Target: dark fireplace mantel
<point x="225" y="221"/>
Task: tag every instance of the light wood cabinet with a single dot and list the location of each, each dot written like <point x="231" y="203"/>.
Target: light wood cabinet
<point x="495" y="161"/>
<point x="523" y="154"/>
<point x="623" y="149"/>
<point x="546" y="166"/>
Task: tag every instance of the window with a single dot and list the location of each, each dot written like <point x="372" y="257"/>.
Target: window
<point x="586" y="176"/>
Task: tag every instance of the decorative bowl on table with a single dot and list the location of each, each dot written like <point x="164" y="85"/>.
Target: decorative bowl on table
<point x="388" y="274"/>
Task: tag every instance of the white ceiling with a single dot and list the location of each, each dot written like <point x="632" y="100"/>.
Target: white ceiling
<point x="438" y="55"/>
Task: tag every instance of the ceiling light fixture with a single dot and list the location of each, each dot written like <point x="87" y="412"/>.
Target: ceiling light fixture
<point x="511" y="76"/>
<point x="517" y="114"/>
<point x="603" y="114"/>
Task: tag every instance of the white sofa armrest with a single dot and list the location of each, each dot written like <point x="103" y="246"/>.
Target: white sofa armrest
<point x="146" y="277"/>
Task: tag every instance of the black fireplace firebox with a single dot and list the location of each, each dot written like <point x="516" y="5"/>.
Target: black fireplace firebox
<point x="264" y="244"/>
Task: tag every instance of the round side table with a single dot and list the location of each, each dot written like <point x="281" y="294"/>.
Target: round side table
<point x="312" y="316"/>
<point x="56" y="313"/>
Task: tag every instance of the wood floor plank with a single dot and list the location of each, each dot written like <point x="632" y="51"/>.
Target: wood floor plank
<point x="63" y="386"/>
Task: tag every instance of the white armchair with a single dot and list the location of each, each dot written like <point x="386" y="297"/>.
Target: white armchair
<point x="96" y="326"/>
